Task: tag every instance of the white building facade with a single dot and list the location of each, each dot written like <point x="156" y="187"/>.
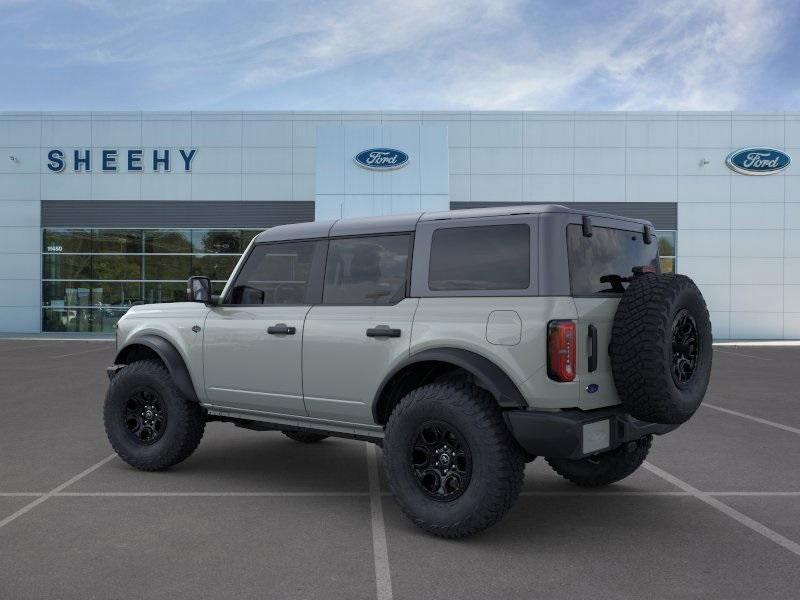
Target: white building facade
<point x="102" y="210"/>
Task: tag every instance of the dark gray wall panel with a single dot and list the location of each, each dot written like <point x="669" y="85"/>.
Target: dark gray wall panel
<point x="663" y="215"/>
<point x="135" y="213"/>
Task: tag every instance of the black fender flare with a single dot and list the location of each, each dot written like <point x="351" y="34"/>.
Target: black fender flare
<point x="489" y="375"/>
<point x="171" y="358"/>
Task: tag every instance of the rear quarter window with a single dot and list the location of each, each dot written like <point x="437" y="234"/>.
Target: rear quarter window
<point x="483" y="257"/>
<point x="598" y="265"/>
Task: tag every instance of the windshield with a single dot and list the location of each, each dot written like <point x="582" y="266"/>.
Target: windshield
<point x="604" y="263"/>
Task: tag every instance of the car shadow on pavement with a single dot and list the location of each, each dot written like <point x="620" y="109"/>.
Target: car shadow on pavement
<point x="230" y="459"/>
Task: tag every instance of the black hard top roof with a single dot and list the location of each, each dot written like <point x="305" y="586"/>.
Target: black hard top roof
<point x="408" y="222"/>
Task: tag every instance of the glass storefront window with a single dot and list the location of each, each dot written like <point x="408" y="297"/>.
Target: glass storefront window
<point x="223" y="241"/>
<point x="91" y="277"/>
<point x="168" y="241"/>
<point x="156" y="292"/>
<point x="115" y="266"/>
<point x="117" y="241"/>
<point x="214" y="266"/>
<point x="67" y="240"/>
<point x="167" y="266"/>
<point x="85" y="320"/>
<point x="247" y="237"/>
<point x="67" y="266"/>
<point x="666" y="250"/>
<point x="666" y="243"/>
<point x="90" y="293"/>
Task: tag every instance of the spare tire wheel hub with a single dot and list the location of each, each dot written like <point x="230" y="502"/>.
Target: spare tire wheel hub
<point x="684" y="347"/>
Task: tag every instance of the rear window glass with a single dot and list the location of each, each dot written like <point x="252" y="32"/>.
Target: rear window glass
<point x="602" y="263"/>
<point x="489" y="257"/>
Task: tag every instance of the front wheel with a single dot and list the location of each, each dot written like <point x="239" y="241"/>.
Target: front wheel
<point x="450" y="461"/>
<point x="150" y="424"/>
<point x="606" y="468"/>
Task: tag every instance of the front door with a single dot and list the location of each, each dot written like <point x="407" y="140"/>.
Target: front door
<point x="362" y="328"/>
<point x="253" y="340"/>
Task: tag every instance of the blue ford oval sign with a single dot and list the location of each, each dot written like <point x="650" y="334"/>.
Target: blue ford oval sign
<point x="758" y="161"/>
<point x="381" y="159"/>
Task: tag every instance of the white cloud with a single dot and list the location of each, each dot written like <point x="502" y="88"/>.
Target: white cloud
<point x="684" y="56"/>
<point x="469" y="54"/>
<point x="326" y="38"/>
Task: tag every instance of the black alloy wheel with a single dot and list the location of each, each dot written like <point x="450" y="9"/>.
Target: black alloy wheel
<point x="145" y="416"/>
<point x="685" y="348"/>
<point x="441" y="461"/>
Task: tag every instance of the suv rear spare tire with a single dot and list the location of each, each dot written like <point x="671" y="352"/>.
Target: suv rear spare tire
<point x="661" y="348"/>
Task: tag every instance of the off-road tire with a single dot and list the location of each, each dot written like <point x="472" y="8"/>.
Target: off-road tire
<point x="606" y="468"/>
<point x="642" y="349"/>
<point x="185" y="421"/>
<point x="497" y="461"/>
<point x="305" y="437"/>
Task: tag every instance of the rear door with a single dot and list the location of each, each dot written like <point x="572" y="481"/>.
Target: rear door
<point x="361" y="329"/>
<point x="599" y="264"/>
<point x="253" y="341"/>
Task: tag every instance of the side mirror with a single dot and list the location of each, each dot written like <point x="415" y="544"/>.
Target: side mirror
<point x="198" y="289"/>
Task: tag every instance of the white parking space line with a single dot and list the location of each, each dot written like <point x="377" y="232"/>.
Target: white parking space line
<point x="752" y="418"/>
<point x="589" y="493"/>
<point x="742" y="354"/>
<point x="54" y="491"/>
<point x="212" y="494"/>
<point x="761" y="344"/>
<point x="734" y="514"/>
<point x="383" y="578"/>
<point x="20" y="494"/>
<point x="755" y="494"/>
<point x="77" y="353"/>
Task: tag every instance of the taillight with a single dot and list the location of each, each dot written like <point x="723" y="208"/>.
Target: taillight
<point x="561" y="350"/>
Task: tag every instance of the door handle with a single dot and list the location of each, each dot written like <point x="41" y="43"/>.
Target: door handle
<point x="593" y="348"/>
<point x="383" y="331"/>
<point x="281" y="329"/>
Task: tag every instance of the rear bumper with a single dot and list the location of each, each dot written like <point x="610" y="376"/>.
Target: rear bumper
<point x="575" y="434"/>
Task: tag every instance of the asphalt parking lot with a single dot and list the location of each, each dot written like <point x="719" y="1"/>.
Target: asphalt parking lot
<point x="715" y="513"/>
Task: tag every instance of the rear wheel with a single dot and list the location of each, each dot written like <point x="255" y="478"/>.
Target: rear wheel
<point x="604" y="469"/>
<point x="306" y="437"/>
<point x="450" y="461"/>
<point x="150" y="424"/>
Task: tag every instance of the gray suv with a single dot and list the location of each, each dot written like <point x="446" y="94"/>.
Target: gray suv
<point x="465" y="343"/>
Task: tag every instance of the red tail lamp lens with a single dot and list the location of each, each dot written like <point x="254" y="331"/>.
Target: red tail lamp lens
<point x="561" y="350"/>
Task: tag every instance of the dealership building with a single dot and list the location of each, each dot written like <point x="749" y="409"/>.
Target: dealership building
<point x="101" y="210"/>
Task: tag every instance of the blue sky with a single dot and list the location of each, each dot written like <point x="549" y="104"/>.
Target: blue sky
<point x="389" y="54"/>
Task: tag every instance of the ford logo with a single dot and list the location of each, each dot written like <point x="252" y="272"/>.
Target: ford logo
<point x="757" y="161"/>
<point x="381" y="159"/>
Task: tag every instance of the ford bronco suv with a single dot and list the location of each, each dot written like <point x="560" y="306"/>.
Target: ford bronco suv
<point x="465" y="343"/>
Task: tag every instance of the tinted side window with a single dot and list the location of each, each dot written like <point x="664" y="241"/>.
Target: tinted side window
<point x="488" y="257"/>
<point x="366" y="270"/>
<point x="277" y="274"/>
<point x="598" y="263"/>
